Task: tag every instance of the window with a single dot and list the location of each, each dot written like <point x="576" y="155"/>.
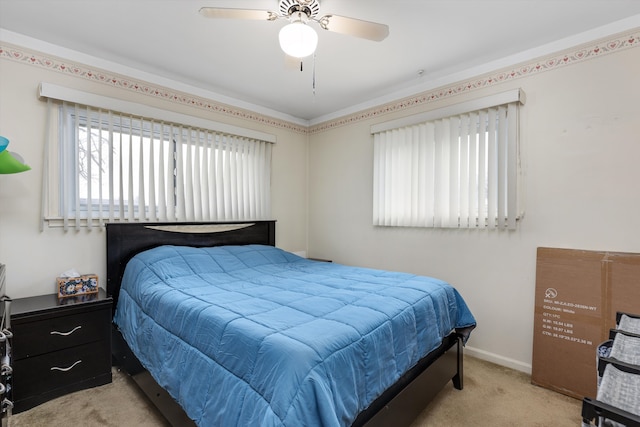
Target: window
<point x="456" y="167"/>
<point x="108" y="165"/>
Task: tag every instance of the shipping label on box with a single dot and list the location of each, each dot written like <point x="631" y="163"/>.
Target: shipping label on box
<point x="577" y="296"/>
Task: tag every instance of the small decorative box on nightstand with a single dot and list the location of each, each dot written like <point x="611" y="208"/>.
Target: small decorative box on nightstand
<point x="76" y="286"/>
<point x="59" y="346"/>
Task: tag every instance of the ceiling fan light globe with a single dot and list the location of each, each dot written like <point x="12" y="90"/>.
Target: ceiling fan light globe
<point x="298" y="39"/>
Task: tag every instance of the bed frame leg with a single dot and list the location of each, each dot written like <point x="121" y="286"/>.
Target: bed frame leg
<point x="458" y="382"/>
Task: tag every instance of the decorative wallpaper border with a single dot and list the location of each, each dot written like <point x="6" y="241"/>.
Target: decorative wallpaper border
<point x="567" y="57"/>
<point x="571" y="56"/>
<point x="38" y="59"/>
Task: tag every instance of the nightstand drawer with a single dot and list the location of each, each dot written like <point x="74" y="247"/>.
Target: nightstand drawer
<point x="59" y="369"/>
<point x="60" y="345"/>
<point x="40" y="337"/>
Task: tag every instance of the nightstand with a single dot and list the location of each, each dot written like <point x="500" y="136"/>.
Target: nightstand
<point x="59" y="346"/>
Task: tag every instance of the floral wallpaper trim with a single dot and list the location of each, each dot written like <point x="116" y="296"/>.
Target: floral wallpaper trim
<point x="551" y="62"/>
<point x="567" y="57"/>
<point x="19" y="54"/>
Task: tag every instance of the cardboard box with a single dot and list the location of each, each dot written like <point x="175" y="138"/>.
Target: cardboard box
<point x="577" y="296"/>
<point x="74" y="286"/>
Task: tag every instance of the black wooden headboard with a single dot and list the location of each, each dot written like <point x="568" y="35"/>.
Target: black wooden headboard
<point x="124" y="240"/>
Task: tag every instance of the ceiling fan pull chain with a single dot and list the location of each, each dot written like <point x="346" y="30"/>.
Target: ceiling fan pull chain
<point x="314" y="75"/>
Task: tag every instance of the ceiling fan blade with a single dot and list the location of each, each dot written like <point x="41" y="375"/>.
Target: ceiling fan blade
<point x="229" y="13"/>
<point x="354" y="27"/>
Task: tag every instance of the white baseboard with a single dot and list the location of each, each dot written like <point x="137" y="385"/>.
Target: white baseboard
<point x="498" y="360"/>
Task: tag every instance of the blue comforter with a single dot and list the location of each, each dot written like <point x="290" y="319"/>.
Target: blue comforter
<point x="256" y="336"/>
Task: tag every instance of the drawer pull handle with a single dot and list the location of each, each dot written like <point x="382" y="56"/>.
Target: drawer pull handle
<point x="55" y="368"/>
<point x="64" y="334"/>
<point x="6" y="404"/>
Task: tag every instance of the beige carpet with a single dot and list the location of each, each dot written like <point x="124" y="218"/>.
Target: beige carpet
<point x="496" y="396"/>
<point x="493" y="396"/>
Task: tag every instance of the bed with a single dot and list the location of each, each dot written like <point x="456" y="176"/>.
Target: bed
<point x="219" y="327"/>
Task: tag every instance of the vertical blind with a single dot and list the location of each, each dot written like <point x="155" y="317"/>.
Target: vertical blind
<point x="115" y="166"/>
<point x="456" y="171"/>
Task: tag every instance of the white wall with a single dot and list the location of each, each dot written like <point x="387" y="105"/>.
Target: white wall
<point x="580" y="131"/>
<point x="35" y="258"/>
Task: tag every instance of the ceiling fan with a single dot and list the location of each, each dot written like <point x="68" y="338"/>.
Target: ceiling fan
<point x="298" y="39"/>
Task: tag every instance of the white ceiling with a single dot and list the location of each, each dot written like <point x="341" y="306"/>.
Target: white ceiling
<point x="240" y="62"/>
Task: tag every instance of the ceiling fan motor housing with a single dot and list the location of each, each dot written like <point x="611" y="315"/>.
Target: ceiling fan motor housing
<point x="311" y="8"/>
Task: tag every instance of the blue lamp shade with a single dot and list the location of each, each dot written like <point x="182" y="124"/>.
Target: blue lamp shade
<point x="10" y="162"/>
